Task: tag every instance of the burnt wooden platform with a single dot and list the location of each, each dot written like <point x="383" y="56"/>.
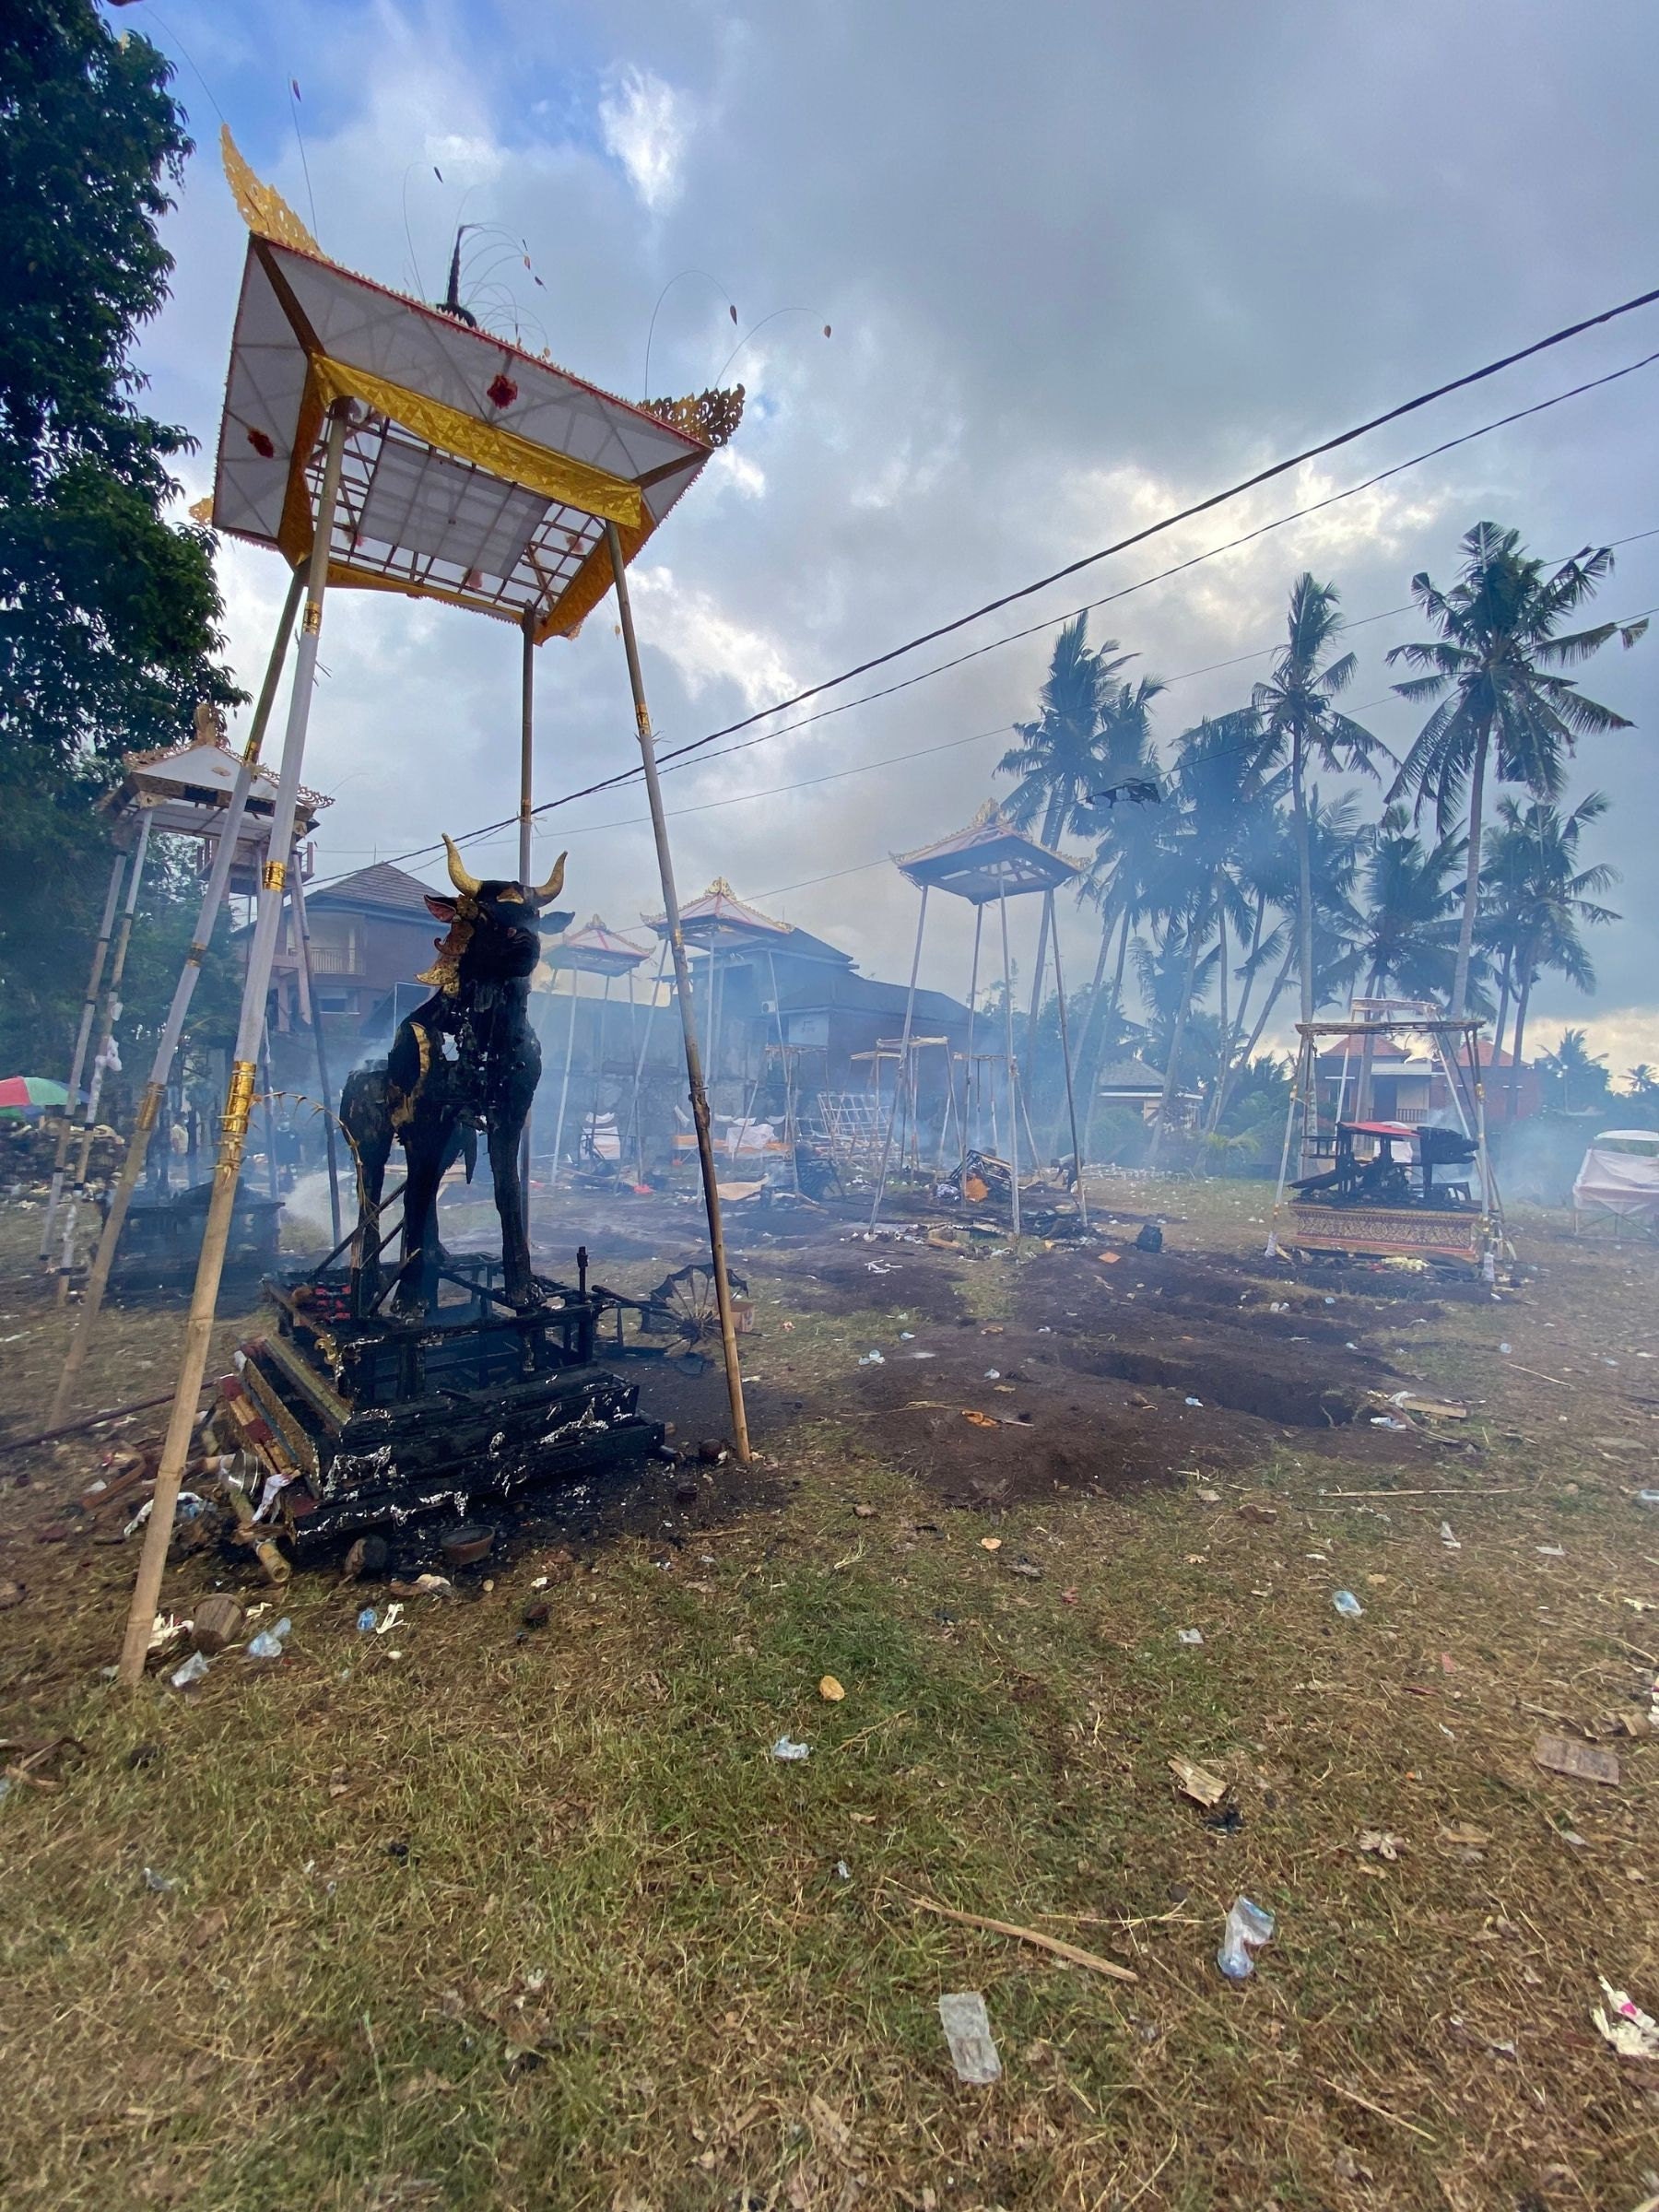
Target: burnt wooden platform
<point x="365" y="1424"/>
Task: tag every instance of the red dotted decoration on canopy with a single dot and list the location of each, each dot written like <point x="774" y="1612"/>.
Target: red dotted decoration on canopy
<point x="502" y="391"/>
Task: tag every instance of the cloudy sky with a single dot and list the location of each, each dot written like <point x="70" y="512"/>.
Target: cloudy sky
<point x="1082" y="265"/>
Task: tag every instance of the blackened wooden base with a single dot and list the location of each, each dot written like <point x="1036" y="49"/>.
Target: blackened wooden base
<point x="375" y="1422"/>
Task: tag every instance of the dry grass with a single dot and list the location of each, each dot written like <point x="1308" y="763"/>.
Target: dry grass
<point x="537" y="1921"/>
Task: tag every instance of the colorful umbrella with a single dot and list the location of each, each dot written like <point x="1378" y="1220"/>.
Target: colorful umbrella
<point x="31" y="1091"/>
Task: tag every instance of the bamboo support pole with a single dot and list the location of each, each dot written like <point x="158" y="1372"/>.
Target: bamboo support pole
<point x="198" y="1336"/>
<point x="1071" y="1102"/>
<point x="527" y="779"/>
<point x="1001" y="901"/>
<point x="564" y="1088"/>
<point x="639" y="1126"/>
<point x="971" y="1097"/>
<point x="324" y="1083"/>
<point x="78" y="1063"/>
<point x="909" y="1010"/>
<point x="108" y="1016"/>
<point x="155" y="1092"/>
<point x="699" y="1101"/>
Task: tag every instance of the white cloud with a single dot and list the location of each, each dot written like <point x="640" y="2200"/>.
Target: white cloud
<point x="645" y="124"/>
<point x="705" y="644"/>
<point x="731" y="470"/>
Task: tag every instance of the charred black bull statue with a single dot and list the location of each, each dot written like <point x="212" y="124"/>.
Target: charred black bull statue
<point x="466" y="1060"/>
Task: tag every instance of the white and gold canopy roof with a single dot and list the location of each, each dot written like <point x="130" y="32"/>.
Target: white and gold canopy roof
<point x="474" y="472"/>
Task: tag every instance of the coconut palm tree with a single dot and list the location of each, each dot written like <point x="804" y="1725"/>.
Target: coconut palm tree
<point x="1223" y="781"/>
<point x="1127" y="832"/>
<point x="1298" y="707"/>
<point x="1540" y="898"/>
<point x="1491" y="674"/>
<point x="1061" y="757"/>
<point x="1338" y="843"/>
<point x="1579" y="1074"/>
<point x="1407" y="943"/>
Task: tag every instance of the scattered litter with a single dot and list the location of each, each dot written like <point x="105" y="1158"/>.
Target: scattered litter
<point x="425" y="1586"/>
<point x="189" y="1507"/>
<point x="1504" y="1347"/>
<point x="1447" y="1539"/>
<point x="1348" y="1605"/>
<point x="967" y="2031"/>
<point x="1379" y="1842"/>
<point x="1249" y="1927"/>
<point x="160" y="1883"/>
<point x="990" y="1543"/>
<point x="1197" y="1783"/>
<point x="220" y="1621"/>
<point x="1189" y="1635"/>
<point x="1629" y="2030"/>
<point x="1070" y="1952"/>
<point x="1388" y="1420"/>
<point x="269" y="1643"/>
<point x="1031" y="1574"/>
<point x="907" y="1335"/>
<point x="830" y="1690"/>
<point x="1193" y="1402"/>
<point x="1550" y="1551"/>
<point x="1210" y="1497"/>
<point x="993" y="1374"/>
<point x="366" y="1621"/>
<point x="1643" y="1498"/>
<point x="871" y="1360"/>
<point x="1463" y="1837"/>
<point x="194" y="1668"/>
<point x="787" y="1748"/>
<point x="166" y="1629"/>
<point x="1583" y="1762"/>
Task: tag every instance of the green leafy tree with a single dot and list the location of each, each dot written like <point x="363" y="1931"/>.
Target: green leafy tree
<point x="109" y="612"/>
<point x="1492" y="674"/>
<point x="1299" y="710"/>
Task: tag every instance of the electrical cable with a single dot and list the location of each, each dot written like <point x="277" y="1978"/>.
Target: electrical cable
<point x="678" y="754"/>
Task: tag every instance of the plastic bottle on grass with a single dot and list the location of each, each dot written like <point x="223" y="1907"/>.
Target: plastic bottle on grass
<point x="1249" y="1926"/>
<point x="267" y="1644"/>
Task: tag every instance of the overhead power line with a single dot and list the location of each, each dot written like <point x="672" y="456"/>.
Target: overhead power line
<point x="1140" y="537"/>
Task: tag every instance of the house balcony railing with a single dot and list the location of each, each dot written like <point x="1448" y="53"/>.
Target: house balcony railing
<point x="333" y="960"/>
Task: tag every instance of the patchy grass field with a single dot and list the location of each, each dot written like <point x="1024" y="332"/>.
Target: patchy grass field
<point x="478" y="1914"/>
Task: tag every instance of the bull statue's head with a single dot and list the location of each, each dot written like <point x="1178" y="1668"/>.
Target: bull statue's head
<point x="494" y="925"/>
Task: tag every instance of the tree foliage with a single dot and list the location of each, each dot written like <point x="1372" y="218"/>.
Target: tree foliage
<point x="109" y="611"/>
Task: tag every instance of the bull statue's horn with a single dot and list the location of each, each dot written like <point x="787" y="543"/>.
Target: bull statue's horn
<point x="457" y="871"/>
<point x="554" y="885"/>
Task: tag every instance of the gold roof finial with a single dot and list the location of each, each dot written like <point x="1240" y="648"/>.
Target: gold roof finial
<point x="265" y="212"/>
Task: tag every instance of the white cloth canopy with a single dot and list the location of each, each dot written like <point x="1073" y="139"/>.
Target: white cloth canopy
<point x="1621" y="1176"/>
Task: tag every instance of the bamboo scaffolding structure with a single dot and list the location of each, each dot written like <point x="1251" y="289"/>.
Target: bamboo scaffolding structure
<point x="149" y="1105"/>
<point x="77" y="1062"/>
